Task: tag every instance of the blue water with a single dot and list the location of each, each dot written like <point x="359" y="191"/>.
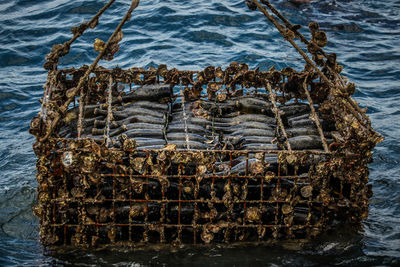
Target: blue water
<point x="189" y="34"/>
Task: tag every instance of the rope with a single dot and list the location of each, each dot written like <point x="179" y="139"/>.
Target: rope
<point x="109" y="111"/>
<point x="315" y="117"/>
<point x="283" y="33"/>
<point x="167" y="118"/>
<point x="288" y="24"/>
<point x="275" y="109"/>
<point x="45" y="102"/>
<point x="53" y="56"/>
<point x="353" y="107"/>
<point x="184" y="121"/>
<point x="91" y="22"/>
<point x="79" y="87"/>
<point x="337" y="76"/>
<point x="81" y="112"/>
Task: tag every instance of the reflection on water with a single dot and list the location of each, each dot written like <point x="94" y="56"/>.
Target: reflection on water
<point x="191" y="34"/>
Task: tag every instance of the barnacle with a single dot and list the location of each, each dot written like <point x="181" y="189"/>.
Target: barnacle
<point x="313" y="26"/>
<point x="209" y="73"/>
<point x="221" y="97"/>
<point x="219" y="73"/>
<point x="89" y="163"/>
<point x="289" y="34"/>
<point x="253" y="214"/>
<point x="207" y="236"/>
<point x="67" y="158"/>
<point x="286" y="209"/>
<point x="306" y="191"/>
<point x="99" y="45"/>
<point x="251" y="5"/>
<point x="118" y="37"/>
<point x="137" y="164"/>
<point x="128" y="144"/>
<point x="319" y="37"/>
<point x="256" y="168"/>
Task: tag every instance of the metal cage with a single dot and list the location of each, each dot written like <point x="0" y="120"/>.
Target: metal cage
<point x="106" y="189"/>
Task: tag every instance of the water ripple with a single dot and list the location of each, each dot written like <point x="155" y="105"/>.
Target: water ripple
<point x="192" y="35"/>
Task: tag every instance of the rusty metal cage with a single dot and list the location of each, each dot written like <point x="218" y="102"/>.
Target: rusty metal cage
<point x="109" y="190"/>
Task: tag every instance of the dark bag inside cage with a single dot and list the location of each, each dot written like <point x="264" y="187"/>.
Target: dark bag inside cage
<point x="220" y="155"/>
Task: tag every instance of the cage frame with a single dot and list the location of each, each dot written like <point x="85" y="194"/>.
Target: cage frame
<point x="345" y="161"/>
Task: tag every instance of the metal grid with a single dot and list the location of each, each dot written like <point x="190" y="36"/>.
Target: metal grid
<point x="191" y="205"/>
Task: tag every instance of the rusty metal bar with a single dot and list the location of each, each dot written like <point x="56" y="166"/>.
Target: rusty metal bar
<point x="261" y="196"/>
<point x="244" y="199"/>
<point x="146" y="201"/>
<point x="196" y="209"/>
<point x="100" y="71"/>
<point x="163" y="213"/>
<point x="64" y="218"/>
<point x="180" y="225"/>
<point x="113" y="206"/>
<point x="237" y="152"/>
<point x="179" y="200"/>
<point x="193" y="176"/>
<point x="216" y="201"/>
<point x="130" y="209"/>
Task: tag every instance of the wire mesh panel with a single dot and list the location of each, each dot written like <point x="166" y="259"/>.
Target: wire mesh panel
<point x="135" y="196"/>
